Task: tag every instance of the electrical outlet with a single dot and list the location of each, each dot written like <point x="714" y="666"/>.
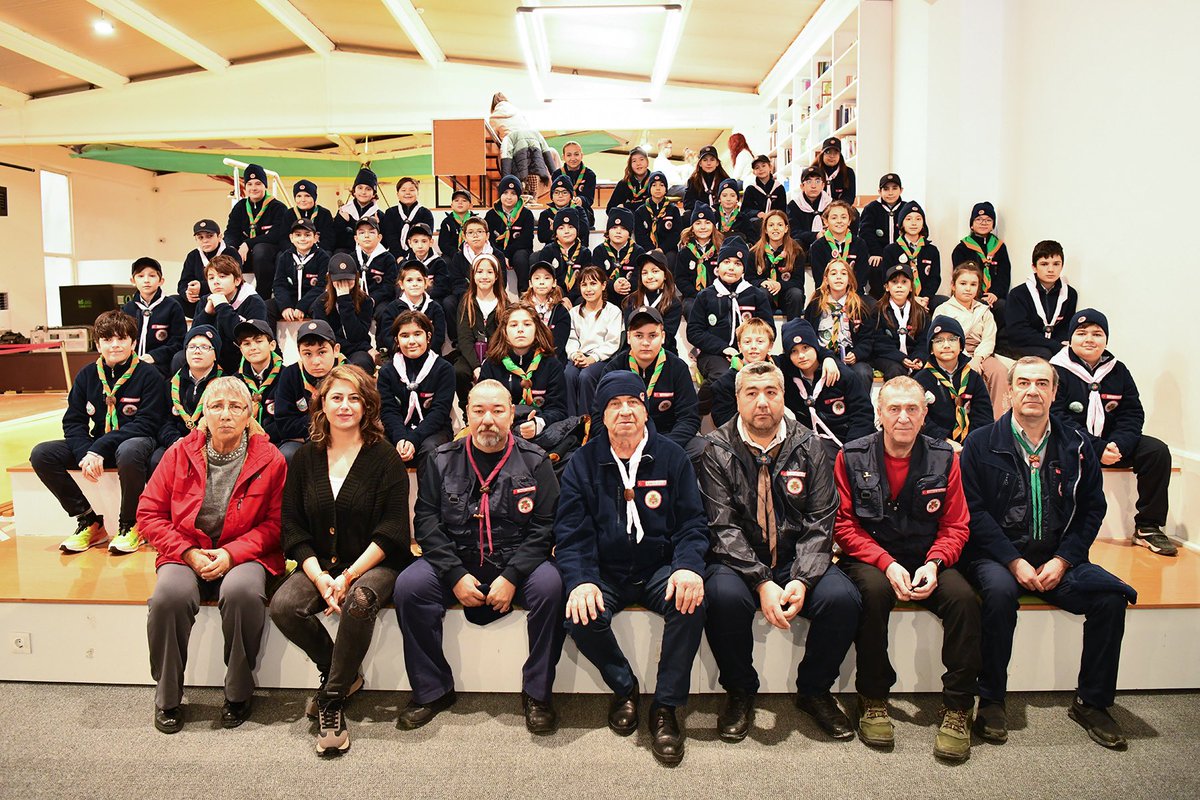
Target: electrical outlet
<point x="20" y="643"/>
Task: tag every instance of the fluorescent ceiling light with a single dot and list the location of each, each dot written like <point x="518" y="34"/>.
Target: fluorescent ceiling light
<point x="531" y="31"/>
<point x="418" y="32"/>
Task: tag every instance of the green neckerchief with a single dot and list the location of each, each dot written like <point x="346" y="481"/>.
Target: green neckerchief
<point x="256" y="390"/>
<point x="111" y="421"/>
<point x="773" y="260"/>
<point x="701" y="263"/>
<point x="509" y="219"/>
<point x="526" y="376"/>
<point x="727" y="218"/>
<point x="461" y="222"/>
<point x="962" y="421"/>
<point x="254" y="218"/>
<point x="1034" y="458"/>
<point x="638" y="192"/>
<point x="838" y="252"/>
<point x="190" y="420"/>
<point x="659" y="363"/>
<point x="987" y="254"/>
<point x="569" y="260"/>
<point x="911" y="256"/>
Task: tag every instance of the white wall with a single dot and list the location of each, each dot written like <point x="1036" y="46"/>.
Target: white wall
<point x="1076" y="119"/>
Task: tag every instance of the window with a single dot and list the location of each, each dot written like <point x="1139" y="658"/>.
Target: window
<point x="57" y="241"/>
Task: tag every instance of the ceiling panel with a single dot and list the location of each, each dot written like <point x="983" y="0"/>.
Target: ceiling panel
<point x="474" y="31"/>
<point x="363" y="24"/>
<point x="33" y="77"/>
<point x="604" y="40"/>
<point x="237" y="29"/>
<point x="68" y="24"/>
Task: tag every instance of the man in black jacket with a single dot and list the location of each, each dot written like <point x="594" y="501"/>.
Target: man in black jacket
<point x="768" y="489"/>
<point x="1032" y="482"/>
<point x="485" y="555"/>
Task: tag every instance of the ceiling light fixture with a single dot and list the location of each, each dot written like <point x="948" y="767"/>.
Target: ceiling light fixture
<point x="409" y="18"/>
<point x="531" y="32"/>
<point x="103" y="26"/>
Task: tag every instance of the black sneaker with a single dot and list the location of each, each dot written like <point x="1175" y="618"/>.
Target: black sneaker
<point x="1099" y="724"/>
<point x="991" y="723"/>
<point x="1153" y="539"/>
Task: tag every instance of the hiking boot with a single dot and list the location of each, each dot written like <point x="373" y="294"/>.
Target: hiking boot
<point x="333" y="738"/>
<point x="734" y="721"/>
<point x="828" y="715"/>
<point x="953" y="742"/>
<point x="313" y="707"/>
<point x="127" y="541"/>
<point x="89" y="533"/>
<point x="1153" y="539"/>
<point x="874" y="724"/>
<point x="991" y="723"/>
<point x="1099" y="725"/>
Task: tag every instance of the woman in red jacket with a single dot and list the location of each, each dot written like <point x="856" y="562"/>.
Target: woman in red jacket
<point x="212" y="511"/>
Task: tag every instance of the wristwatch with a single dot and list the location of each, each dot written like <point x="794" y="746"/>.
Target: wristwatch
<point x="350" y="575"/>
<point x="937" y="562"/>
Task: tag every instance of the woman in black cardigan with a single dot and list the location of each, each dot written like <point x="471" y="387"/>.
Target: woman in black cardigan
<point x="346" y="523"/>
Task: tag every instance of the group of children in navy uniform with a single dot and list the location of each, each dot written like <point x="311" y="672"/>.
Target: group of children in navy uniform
<point x="726" y="258"/>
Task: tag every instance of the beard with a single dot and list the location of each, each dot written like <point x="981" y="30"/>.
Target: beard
<point x="488" y="438"/>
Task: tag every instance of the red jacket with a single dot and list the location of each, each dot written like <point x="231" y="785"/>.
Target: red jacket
<point x="166" y="515"/>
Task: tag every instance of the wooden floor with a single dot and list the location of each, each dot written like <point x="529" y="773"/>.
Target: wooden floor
<point x="15" y="406"/>
<point x="25" y="420"/>
<point x="33" y="570"/>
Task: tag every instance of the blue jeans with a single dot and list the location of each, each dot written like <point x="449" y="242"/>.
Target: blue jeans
<point x="831" y="607"/>
<point x="681" y="638"/>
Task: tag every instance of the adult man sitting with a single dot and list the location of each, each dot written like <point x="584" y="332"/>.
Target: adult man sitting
<point x="769" y="494"/>
<point x="1032" y="482"/>
<point x="631" y="529"/>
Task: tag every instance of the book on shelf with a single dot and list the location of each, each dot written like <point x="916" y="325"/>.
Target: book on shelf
<point x="822" y="68"/>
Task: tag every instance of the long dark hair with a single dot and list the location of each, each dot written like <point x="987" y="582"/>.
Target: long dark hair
<point x="330" y="299"/>
<point x="694" y="182"/>
<point x="637" y="151"/>
<point x="793" y="253"/>
<point x="843" y="177"/>
<point x="370" y="427"/>
<point x="638" y="296"/>
<point x="466" y="308"/>
<point x="498" y="346"/>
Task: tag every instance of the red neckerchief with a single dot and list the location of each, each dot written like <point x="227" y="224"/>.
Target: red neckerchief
<point x="485" y="488"/>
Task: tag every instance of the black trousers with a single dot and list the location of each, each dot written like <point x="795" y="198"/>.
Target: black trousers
<point x="53" y="461"/>
<point x="953" y="601"/>
<point x="1151" y="463"/>
<point x="261" y="262"/>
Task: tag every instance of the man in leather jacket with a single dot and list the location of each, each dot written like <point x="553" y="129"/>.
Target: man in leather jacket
<point x="1034" y="537"/>
<point x="768" y="489"/>
<point x="902" y="522"/>
<point x="484" y="519"/>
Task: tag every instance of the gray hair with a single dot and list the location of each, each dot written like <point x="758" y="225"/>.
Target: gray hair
<point x="489" y="383"/>
<point x="1025" y="361"/>
<point x="755" y="370"/>
<point x="903" y="383"/>
<point x="228" y="388"/>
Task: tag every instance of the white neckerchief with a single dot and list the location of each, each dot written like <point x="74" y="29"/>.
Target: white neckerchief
<point x="204" y="259"/>
<point x="818" y="425"/>
<point x="427" y="260"/>
<point x="1095" y="409"/>
<point x="734" y="311"/>
<point x="406" y="219"/>
<point x="414" y="306"/>
<point x="471" y="255"/>
<point x="243" y="292"/>
<point x="824" y="199"/>
<point x="300" y="263"/>
<point x="633" y="522"/>
<point x="147" y="310"/>
<point x="652" y="303"/>
<point x="901" y="315"/>
<point x="352" y="211"/>
<point x="414" y="399"/>
<point x="364" y="261"/>
<point x="1047" y="324"/>
<point x="891" y="212"/>
<point x="544" y="310"/>
<point x="709" y="188"/>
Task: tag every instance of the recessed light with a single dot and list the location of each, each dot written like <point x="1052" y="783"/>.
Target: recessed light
<point x="103" y="27"/>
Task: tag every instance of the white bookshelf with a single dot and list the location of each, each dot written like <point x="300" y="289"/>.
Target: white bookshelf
<point x="843" y="69"/>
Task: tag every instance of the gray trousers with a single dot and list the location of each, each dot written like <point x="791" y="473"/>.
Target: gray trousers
<point x="295" y="608"/>
<point x="242" y="599"/>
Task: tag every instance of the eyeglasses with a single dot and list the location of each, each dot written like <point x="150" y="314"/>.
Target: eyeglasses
<point x="218" y="406"/>
<point x="200" y="348"/>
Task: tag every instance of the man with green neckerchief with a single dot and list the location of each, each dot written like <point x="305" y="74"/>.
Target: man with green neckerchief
<point x="1032" y="482"/>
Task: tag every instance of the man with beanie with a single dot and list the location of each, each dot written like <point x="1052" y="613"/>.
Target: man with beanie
<point x="617" y="256"/>
<point x="363" y="204"/>
<point x="511" y="227"/>
<point x="835" y="412"/>
<point x="484" y="519"/>
<point x="256" y="228"/>
<point x="304" y="194"/>
<point x="769" y="493"/>
<point x="901" y="524"/>
<point x="982" y="246"/>
<point x="957" y="395"/>
<point x="631" y="528"/>
<point x="1032" y="481"/>
<point x="1097" y="393"/>
<point x="567" y="254"/>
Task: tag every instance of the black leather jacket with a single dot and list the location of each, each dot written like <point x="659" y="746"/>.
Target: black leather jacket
<point x="805" y="503"/>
